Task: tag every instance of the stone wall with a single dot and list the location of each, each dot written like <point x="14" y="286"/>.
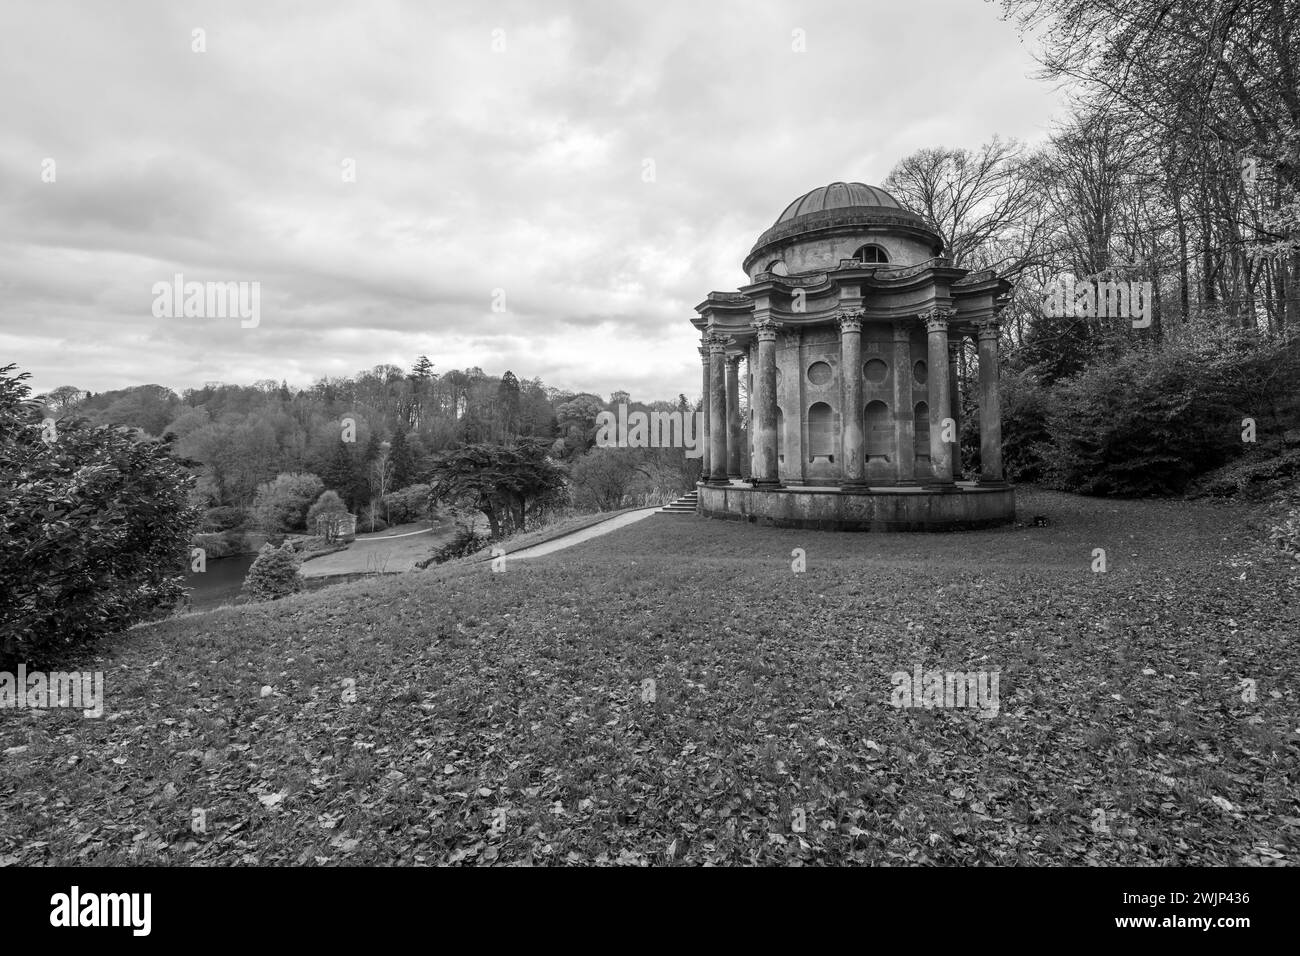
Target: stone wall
<point x="903" y="510"/>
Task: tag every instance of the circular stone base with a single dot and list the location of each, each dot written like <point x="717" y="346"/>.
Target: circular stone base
<point x="966" y="507"/>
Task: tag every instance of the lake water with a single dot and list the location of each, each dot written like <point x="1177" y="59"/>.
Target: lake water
<point x="222" y="582"/>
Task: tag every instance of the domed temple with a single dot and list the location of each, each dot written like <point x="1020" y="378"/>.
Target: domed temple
<point x="848" y="329"/>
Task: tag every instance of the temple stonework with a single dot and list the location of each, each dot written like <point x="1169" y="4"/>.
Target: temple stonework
<point x="848" y="330"/>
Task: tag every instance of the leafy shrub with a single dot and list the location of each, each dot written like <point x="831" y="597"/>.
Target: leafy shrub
<point x="370" y="521"/>
<point x="1142" y="424"/>
<point x="95" y="529"/>
<point x="273" y="574"/>
<point x="602" y="478"/>
<point x="214" y="545"/>
<point x="1024" y="404"/>
<point x="281" y="505"/>
<point x="223" y="518"/>
<point x="331" y="507"/>
<point x="407" y="504"/>
<point x="1259" y="473"/>
<point x="1141" y="420"/>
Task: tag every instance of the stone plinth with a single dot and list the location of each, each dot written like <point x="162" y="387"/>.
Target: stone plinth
<point x="969" y="507"/>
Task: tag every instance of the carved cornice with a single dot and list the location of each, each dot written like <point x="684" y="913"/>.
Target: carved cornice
<point x="975" y="278"/>
<point x="730" y="298"/>
<point x="906" y="272"/>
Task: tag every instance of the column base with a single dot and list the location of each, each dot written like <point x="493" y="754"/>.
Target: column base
<point x="983" y="482"/>
<point x="941" y="487"/>
<point x="717" y="482"/>
<point x="855" y="487"/>
<point x="767" y="484"/>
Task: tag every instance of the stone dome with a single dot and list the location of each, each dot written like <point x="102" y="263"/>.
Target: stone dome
<point x="837" y="196"/>
<point x="830" y="223"/>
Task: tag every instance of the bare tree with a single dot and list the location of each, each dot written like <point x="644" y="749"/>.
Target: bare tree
<point x="973" y="199"/>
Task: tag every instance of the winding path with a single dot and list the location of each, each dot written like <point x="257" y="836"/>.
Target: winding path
<point x="585" y="534"/>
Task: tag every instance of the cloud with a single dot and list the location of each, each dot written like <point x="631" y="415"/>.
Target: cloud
<point x="521" y="169"/>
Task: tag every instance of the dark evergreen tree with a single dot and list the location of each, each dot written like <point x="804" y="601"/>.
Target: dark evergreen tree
<point x="507" y="409"/>
<point x="510" y="484"/>
<point x="402" y="462"/>
<point x="422" y="370"/>
<point x="342" y="473"/>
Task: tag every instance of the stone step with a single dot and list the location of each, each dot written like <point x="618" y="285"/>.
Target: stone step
<point x="685" y="505"/>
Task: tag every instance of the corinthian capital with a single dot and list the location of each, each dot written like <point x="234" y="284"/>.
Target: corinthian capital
<point x="716" y="342"/>
<point x="988" y="329"/>
<point x="850" y="320"/>
<point x="936" y="320"/>
<point x="765" y="329"/>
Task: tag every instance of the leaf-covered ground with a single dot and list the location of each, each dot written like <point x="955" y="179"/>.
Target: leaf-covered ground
<point x="499" y="717"/>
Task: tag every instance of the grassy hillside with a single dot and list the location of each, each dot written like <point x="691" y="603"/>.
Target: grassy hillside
<point x="499" y="717"/>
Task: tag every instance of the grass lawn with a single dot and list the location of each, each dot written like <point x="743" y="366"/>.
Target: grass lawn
<point x="397" y="549"/>
<point x="499" y="717"/>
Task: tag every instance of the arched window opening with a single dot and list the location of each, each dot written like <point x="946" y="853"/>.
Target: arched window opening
<point x="871" y="253"/>
<point x="821" y="436"/>
<point x="880" y="431"/>
<point x="780" y="435"/>
<point x="921" y="431"/>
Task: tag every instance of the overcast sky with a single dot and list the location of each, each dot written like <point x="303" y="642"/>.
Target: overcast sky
<point x="521" y="169"/>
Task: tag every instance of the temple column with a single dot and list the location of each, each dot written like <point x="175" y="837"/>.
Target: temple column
<point x="704" y="404"/>
<point x="717" y="410"/>
<point x="990" y="407"/>
<point x="851" y="442"/>
<point x="733" y="416"/>
<point x="765" y="466"/>
<point x="904" y="426"/>
<point x="940" y="402"/>
<point x="954" y="397"/>
<point x="751" y="362"/>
